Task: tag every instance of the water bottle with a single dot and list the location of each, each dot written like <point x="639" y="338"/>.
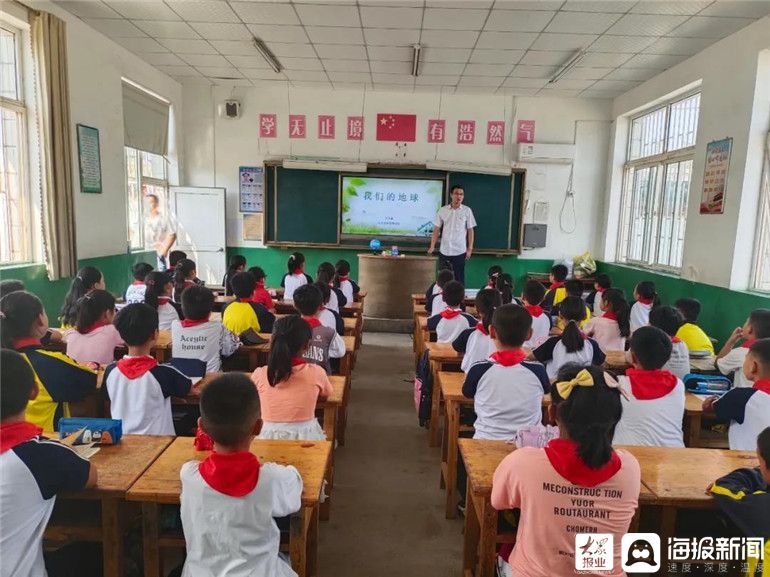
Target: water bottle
<point x="394" y="250"/>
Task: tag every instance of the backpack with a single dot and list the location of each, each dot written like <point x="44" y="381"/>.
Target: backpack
<point x="423" y="389"/>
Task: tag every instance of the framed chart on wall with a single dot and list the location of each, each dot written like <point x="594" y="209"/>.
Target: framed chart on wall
<point x="89" y="159"/>
<point x="715" y="176"/>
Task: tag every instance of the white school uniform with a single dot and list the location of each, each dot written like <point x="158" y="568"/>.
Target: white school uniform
<point x="166" y="315"/>
<point x="541" y="326"/>
<point x="732" y="364"/>
<point x="135" y="292"/>
<point x="477" y="347"/>
<point x="553" y="354"/>
<point x="448" y="329"/>
<point x="347" y="289"/>
<point x="292" y="282"/>
<point x="333" y="303"/>
<point x="327" y="318"/>
<point x="640" y="315"/>
<point x="208" y="342"/>
<point x="747" y="409"/>
<point x="596" y="305"/>
<point x="679" y="362"/>
<point x="438" y="305"/>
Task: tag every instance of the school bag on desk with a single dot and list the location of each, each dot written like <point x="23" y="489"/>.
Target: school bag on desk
<point x="423" y="389"/>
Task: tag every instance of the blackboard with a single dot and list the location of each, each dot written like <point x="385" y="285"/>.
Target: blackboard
<point x="302" y="206"/>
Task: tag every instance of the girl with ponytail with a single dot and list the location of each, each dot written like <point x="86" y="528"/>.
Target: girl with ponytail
<point x="94" y="338"/>
<point x="612" y="328"/>
<point x="476" y="343"/>
<point x="572" y="346"/>
<point x="288" y="386"/>
<point x="88" y="278"/>
<point x="646" y="297"/>
<point x="184" y="276"/>
<point x="296" y="276"/>
<point x="577" y="476"/>
<point x="158" y="296"/>
<point x="504" y="285"/>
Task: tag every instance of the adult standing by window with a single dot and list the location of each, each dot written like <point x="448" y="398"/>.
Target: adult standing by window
<point x="455" y="222"/>
<point x="158" y="231"/>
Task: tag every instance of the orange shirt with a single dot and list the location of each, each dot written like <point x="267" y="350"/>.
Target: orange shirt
<point x="292" y="400"/>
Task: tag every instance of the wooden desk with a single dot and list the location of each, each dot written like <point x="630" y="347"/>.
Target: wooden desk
<point x="220" y="301"/>
<point x="440" y="355"/>
<point x="118" y="467"/>
<point x="616" y="361"/>
<point x="161" y="484"/>
<point x="350" y="323"/>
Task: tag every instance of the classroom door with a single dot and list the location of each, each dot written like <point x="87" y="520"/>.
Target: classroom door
<point x="200" y="229"/>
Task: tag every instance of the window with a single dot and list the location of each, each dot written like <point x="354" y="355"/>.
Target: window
<point x="14" y="204"/>
<point x="656" y="184"/>
<point x="145" y="174"/>
<point x="761" y="280"/>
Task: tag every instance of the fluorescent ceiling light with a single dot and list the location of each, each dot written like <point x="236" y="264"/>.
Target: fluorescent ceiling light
<point x="573" y="61"/>
<point x="319" y="164"/>
<point x="416" y="48"/>
<point x="500" y="170"/>
<point x="267" y="54"/>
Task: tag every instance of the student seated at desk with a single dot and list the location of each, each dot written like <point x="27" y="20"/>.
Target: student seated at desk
<point x="668" y="319"/>
<point x="646" y="297"/>
<point x="94" y="338"/>
<point x="289" y="386"/>
<point x="10" y="285"/>
<point x="325" y="344"/>
<point x="197" y="337"/>
<point x="493" y="273"/>
<point x="574" y="289"/>
<point x="173" y="259"/>
<point x="612" y="328"/>
<point x="244" y="314"/>
<point x="343" y="281"/>
<point x="236" y="264"/>
<point x="434" y="296"/>
<point x="296" y="276"/>
<point x="475" y="343"/>
<point x="135" y="291"/>
<point x="653" y="398"/>
<point x="542" y="482"/>
<point x="572" y="346"/>
<point x="328" y="316"/>
<point x="261" y="295"/>
<point x="138" y="388"/>
<point x="158" y="296"/>
<point x="504" y="285"/>
<point x="532" y="297"/>
<point x="556" y="292"/>
<point x="747" y="409"/>
<point x="450" y="322"/>
<point x="744" y="496"/>
<point x="507" y="392"/>
<point x="326" y="274"/>
<point x="594" y="298"/>
<point x="692" y="335"/>
<point x="35" y="470"/>
<point x="185" y="275"/>
<point x="58" y="378"/>
<point x="229" y="500"/>
<point x="730" y="360"/>
<point x="88" y="278"/>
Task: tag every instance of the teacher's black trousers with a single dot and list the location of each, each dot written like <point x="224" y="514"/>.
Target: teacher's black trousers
<point x="455" y="263"/>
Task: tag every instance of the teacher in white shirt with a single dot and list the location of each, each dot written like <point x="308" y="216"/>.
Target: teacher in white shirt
<point x="457" y="223"/>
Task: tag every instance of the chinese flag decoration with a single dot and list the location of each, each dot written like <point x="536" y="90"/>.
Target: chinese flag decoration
<point x="397" y="127"/>
<point x="297" y="126"/>
<point x="466" y="131"/>
<point x="355" y="127"/>
<point x="268" y="125"/>
<point x="436" y="130"/>
<point x="496" y="132"/>
<point x="325" y="127"/>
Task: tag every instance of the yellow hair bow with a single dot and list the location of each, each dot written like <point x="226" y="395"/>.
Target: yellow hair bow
<point x="582" y="379"/>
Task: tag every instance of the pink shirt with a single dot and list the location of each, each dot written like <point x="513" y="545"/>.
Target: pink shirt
<point x="605" y="332"/>
<point x="98" y="346"/>
<point x="292" y="400"/>
<point x="553" y="510"/>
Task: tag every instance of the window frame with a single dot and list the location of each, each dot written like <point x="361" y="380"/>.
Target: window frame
<point x="661" y="162"/>
<point x="19" y="107"/>
<point x="762" y="234"/>
<point x="142" y="181"/>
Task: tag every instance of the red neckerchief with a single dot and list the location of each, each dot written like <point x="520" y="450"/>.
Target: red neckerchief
<point x="296" y="361"/>
<point x="135" y="367"/>
<point x="490" y="284"/>
<point x="246" y="300"/>
<point x="187" y="323"/>
<point x="482" y="329"/>
<point x="296" y="271"/>
<point x="645" y="301"/>
<point x="600" y="290"/>
<point x="675" y="340"/>
<point x="534" y="310"/>
<point x="137" y="283"/>
<point x="12" y="434"/>
<point x="25" y="342"/>
<point x="650" y="385"/>
<point x="260" y="284"/>
<point x="450" y="313"/>
<point x="312" y="321"/>
<point x="610" y="315"/>
<point x="203" y="442"/>
<point x="762" y="385"/>
<point x="344" y="278"/>
<point x="556" y="285"/>
<point x="508" y="358"/>
<point x="163" y="300"/>
<point x="563" y="456"/>
<point x="93" y="327"/>
<point x="747" y="344"/>
<point x="234" y="474"/>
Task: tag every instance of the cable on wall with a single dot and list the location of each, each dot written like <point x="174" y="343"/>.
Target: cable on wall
<point x="569" y="196"/>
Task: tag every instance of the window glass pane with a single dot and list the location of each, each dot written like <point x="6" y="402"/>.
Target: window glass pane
<point x="683" y="123"/>
<point x="8" y="78"/>
<point x="153" y="166"/>
<point x="673" y="213"/>
<point x="762" y="264"/>
<point x="642" y="189"/>
<point x="13" y="235"/>
<point x="134" y="199"/>
<point x="647" y="134"/>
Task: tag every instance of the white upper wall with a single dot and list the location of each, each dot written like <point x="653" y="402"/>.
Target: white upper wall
<point x="734" y="75"/>
<point x="96" y="65"/>
<point x="215" y="147"/>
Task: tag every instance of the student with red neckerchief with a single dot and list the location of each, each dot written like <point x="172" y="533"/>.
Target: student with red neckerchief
<point x="532" y="298"/>
<point x="343" y="281"/>
<point x="475" y="343"/>
<point x="289" y="386"/>
<point x="296" y="276"/>
<point x="434" y="300"/>
<point x="327" y="275"/>
<point x="452" y="320"/>
<point x="244" y="314"/>
<point x="594" y="298"/>
<point x="556" y="292"/>
<point x="729" y="359"/>
<point x="577" y="474"/>
<point x="612" y="328"/>
<point x="261" y="294"/>
<point x="669" y="320"/>
<point x="326" y="344"/>
<point x="328" y="316"/>
<point x="646" y="297"/>
<point x="135" y="291"/>
<point x="158" y="296"/>
<point x="231" y="497"/>
<point x="94" y="338"/>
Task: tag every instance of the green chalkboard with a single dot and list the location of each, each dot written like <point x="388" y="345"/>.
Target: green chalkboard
<point x="308" y="205"/>
<point x="489" y="197"/>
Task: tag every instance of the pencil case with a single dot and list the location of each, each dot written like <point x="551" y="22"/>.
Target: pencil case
<point x="707" y="384"/>
<point x="102" y="431"/>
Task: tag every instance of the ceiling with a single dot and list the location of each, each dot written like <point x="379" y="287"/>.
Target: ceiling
<point x="488" y="46"/>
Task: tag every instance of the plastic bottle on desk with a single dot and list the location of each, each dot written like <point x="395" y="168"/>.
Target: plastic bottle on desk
<point x="394" y="250"/>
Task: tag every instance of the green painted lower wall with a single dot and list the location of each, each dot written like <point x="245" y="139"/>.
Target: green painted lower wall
<point x="722" y="309"/>
<point x="115" y="268"/>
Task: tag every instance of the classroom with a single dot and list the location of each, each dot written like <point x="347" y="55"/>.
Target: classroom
<point x="384" y="287"/>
